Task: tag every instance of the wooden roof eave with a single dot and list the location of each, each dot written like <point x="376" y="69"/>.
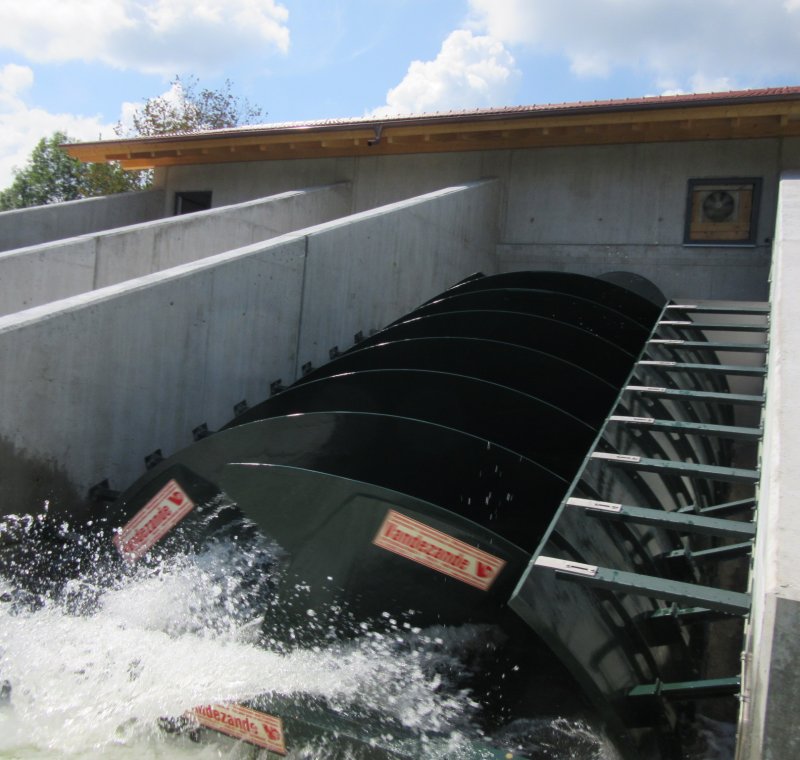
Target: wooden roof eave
<point x="699" y="122"/>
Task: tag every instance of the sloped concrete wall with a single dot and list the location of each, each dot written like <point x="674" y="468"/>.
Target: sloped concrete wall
<point x="771" y="702"/>
<point x="91" y="384"/>
<point x="40" y="274"/>
<point x="42" y="224"/>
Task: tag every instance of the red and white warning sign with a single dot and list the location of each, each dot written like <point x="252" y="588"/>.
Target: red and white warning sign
<point x="243" y="723"/>
<point x="154" y="520"/>
<point x="439" y="551"/>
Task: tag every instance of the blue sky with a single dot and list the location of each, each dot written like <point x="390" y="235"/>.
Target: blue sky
<point x="82" y="65"/>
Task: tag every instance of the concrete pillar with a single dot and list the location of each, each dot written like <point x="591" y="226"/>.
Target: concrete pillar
<point x="771" y="695"/>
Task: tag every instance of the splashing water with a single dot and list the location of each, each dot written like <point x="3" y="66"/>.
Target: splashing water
<point x="93" y="667"/>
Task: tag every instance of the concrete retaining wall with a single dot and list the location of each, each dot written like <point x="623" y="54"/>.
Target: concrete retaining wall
<point x="91" y="384"/>
<point x="31" y="226"/>
<point x="40" y="274"/>
<point x="772" y="678"/>
<point x="588" y="209"/>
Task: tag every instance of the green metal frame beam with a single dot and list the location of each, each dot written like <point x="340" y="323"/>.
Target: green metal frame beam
<point x="688" y="469"/>
<point x="682" y="522"/>
<point x="753" y="348"/>
<point x="702" y="689"/>
<point x="692" y="428"/>
<point x="621" y="581"/>
<point x="683" y="324"/>
<point x="704" y="396"/>
<point x="724" y="369"/>
<point x="700" y="308"/>
<point x="727" y="508"/>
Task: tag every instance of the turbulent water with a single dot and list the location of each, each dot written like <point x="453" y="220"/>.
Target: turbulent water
<point x="92" y="667"/>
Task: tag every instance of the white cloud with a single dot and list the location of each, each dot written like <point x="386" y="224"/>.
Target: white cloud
<point x="716" y="44"/>
<point x="469" y="72"/>
<point x="22" y="126"/>
<point x="154" y="36"/>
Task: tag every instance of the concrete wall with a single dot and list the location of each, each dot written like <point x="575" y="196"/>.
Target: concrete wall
<point x="41" y="224"/>
<point x="587" y="209"/>
<point x="772" y="676"/>
<point x="91" y="384"/>
<point x="40" y="274"/>
<point x="606" y="208"/>
<point x="376" y="181"/>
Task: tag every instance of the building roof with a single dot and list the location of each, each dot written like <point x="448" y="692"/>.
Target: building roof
<point x="771" y="112"/>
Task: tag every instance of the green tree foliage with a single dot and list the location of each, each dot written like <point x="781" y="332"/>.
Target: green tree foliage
<point x="189" y="108"/>
<point x="51" y="176"/>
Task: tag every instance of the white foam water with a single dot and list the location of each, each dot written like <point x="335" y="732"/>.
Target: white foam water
<point x="91" y="679"/>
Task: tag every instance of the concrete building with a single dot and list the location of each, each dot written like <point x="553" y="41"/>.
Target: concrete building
<point x="127" y="325"/>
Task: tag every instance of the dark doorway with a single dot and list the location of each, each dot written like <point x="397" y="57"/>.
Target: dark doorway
<point x="189" y="202"/>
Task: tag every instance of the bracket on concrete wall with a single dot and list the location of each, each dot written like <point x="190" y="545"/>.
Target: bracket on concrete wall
<point x="200" y="432"/>
<point x="153" y="458"/>
<point x="102" y="492"/>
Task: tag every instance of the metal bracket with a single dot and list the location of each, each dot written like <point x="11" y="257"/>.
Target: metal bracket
<point x="102" y="492"/>
<point x="566" y="566"/>
<point x="592" y="504"/>
<point x="200" y="432"/>
<point x="717" y="553"/>
<point x="152" y="459"/>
